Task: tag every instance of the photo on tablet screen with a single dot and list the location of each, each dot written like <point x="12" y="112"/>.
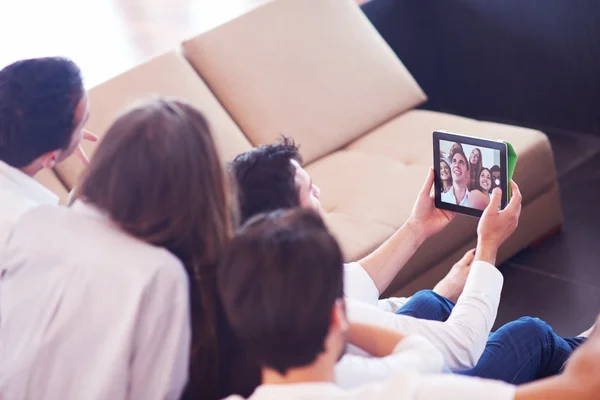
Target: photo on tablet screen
<point x="468" y="174"/>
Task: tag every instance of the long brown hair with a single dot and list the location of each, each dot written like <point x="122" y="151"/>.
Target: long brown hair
<point x="158" y="175"/>
<point x="475" y="169"/>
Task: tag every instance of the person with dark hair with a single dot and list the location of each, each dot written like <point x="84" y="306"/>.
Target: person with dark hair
<point x="495" y="171"/>
<point x="445" y="175"/>
<point x="459" y="194"/>
<point x="287" y="232"/>
<point x="462" y="337"/>
<point x="475" y="165"/>
<point x="267" y="268"/>
<point x="108" y="308"/>
<point x="271" y="177"/>
<point x="43" y="108"/>
<point x="484" y="183"/>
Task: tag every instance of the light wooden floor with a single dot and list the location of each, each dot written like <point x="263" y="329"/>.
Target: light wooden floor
<point x="107" y="37"/>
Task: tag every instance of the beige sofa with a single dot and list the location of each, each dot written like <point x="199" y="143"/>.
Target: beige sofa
<point x="317" y="70"/>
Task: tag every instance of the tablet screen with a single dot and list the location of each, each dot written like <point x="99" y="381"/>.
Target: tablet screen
<point x="468" y="172"/>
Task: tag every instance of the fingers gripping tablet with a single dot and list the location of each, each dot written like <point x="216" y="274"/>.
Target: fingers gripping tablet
<point x="467" y="169"/>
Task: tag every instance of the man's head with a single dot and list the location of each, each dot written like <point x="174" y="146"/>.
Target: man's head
<point x="43" y="107"/>
<point x="281" y="285"/>
<point x="495" y="172"/>
<point x="271" y="177"/>
<point x="459" y="164"/>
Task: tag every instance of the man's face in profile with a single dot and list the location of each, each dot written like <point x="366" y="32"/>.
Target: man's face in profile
<point x="82" y="114"/>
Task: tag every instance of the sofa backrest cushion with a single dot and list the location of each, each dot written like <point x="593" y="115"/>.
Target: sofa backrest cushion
<point x="168" y="75"/>
<point x="315" y="70"/>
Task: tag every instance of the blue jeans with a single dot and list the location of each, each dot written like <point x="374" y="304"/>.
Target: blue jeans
<point x="520" y="351"/>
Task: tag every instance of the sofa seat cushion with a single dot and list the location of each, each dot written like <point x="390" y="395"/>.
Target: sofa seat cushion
<point x="168" y="75"/>
<point x="315" y="70"/>
<point x="374" y="181"/>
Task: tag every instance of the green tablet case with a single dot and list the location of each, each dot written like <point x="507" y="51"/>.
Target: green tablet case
<point x="512" y="163"/>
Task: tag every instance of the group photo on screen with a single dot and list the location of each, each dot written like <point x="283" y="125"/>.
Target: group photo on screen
<point x="468" y="174"/>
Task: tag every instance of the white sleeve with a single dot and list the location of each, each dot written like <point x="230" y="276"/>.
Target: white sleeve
<point x="392" y="304"/>
<point x="414" y="386"/>
<point x="457" y="387"/>
<point x="358" y="284"/>
<point x="413" y="353"/>
<point x="159" y="367"/>
<point x="463" y="337"/>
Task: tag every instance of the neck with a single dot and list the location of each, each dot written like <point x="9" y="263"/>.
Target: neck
<point x="321" y="370"/>
<point x="30" y="170"/>
<point x="459" y="192"/>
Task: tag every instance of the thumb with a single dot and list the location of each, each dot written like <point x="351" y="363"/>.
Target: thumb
<point x="426" y="189"/>
<point x="494" y="201"/>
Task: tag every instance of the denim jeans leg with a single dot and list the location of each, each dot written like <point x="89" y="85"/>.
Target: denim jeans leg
<point x="426" y="304"/>
<point x="523" y="351"/>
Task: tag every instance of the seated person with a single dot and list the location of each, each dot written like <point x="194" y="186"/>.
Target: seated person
<point x="103" y="300"/>
<point x="267" y="268"/>
<point x="305" y="228"/>
<point x="461" y="168"/>
<point x="43" y="108"/>
<point x="270" y="177"/>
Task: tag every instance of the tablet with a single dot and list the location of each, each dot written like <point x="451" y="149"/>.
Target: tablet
<point x="467" y="169"/>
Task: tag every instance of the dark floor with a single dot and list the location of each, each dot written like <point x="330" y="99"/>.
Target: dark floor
<point x="559" y="280"/>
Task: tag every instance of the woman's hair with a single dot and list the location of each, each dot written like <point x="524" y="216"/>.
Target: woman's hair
<point x="478" y="187"/>
<point x="448" y="183"/>
<point x="158" y="176"/>
<point x="475" y="170"/>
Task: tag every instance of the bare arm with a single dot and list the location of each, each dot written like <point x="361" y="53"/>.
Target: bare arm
<point x="556" y="388"/>
<point x="462" y="338"/>
<point x="393" y="351"/>
<point x="376" y="341"/>
<point x="383" y="264"/>
<point x="425" y="220"/>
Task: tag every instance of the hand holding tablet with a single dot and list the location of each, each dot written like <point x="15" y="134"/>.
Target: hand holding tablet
<point x="467" y="169"/>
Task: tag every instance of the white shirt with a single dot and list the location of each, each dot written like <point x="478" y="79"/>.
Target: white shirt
<point x="87" y="312"/>
<point x="404" y="386"/>
<point x="359" y="285"/>
<point x="449" y="197"/>
<point x="461" y="339"/>
<point x="20" y="193"/>
<point x="413" y="353"/>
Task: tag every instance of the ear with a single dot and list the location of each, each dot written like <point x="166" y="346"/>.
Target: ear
<point x="49" y="159"/>
<point x="339" y="319"/>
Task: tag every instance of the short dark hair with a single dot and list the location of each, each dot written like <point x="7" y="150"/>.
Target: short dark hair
<point x="265" y="178"/>
<point x="494" y="168"/>
<point x="458" y="149"/>
<point x="278" y="282"/>
<point x="38" y="99"/>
